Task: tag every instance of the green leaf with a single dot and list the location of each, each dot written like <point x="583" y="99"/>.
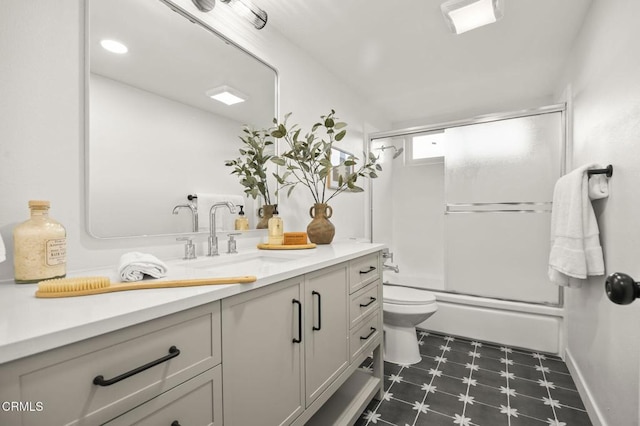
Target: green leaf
<point x="328" y="122"/>
<point x="339" y="125"/>
<point x="341" y="135"/>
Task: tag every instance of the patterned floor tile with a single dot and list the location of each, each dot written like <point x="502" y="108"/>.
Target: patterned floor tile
<point x="471" y="383"/>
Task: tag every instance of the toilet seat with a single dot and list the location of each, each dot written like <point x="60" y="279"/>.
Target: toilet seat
<point x="399" y="295"/>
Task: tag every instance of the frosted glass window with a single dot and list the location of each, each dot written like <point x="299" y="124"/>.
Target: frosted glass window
<point x="426" y="148"/>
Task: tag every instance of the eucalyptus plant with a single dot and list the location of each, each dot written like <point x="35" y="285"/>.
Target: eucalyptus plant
<point x="307" y="159"/>
<point x="251" y="166"/>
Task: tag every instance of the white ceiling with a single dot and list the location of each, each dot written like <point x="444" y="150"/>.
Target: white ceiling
<point x="400" y="56"/>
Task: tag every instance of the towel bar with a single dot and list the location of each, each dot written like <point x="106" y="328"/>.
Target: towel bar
<point x="607" y="171"/>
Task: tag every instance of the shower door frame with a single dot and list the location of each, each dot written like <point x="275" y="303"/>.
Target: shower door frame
<point x="564" y="155"/>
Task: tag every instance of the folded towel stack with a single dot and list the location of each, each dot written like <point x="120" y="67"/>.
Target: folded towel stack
<point x="135" y="265"/>
<point x="575" y="238"/>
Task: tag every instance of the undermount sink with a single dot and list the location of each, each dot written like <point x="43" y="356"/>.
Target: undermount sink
<point x="255" y="263"/>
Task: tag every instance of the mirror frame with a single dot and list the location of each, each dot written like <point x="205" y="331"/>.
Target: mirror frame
<point x="85" y="122"/>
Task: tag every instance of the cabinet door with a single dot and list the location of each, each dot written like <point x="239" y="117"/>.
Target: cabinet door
<point x="261" y="357"/>
<point x="326" y="329"/>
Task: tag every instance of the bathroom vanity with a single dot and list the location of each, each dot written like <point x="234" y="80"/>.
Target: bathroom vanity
<point x="283" y="350"/>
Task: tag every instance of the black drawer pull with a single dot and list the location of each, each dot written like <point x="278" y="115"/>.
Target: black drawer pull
<point x="175" y="423"/>
<point x="373" y="299"/>
<point x="373" y="330"/>
<point x="319" y="327"/>
<point x="371" y="269"/>
<point x="299" y="339"/>
<point x="100" y="381"/>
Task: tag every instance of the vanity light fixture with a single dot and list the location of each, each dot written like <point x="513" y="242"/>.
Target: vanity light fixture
<point x="464" y="15"/>
<point x="249" y="11"/>
<point x="114" y="46"/>
<point x="226" y="95"/>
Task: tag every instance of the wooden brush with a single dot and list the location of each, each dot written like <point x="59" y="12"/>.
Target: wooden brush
<point x="83" y="286"/>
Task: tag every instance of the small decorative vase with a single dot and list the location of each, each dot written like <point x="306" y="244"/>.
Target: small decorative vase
<point x="265" y="213"/>
<point x="321" y="230"/>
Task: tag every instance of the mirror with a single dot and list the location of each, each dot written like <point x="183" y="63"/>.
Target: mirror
<point x="154" y="134"/>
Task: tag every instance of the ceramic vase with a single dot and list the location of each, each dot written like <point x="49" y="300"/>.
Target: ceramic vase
<point x="265" y="213"/>
<point x="321" y="230"/>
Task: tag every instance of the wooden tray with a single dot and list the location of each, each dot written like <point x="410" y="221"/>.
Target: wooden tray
<point x="264" y="246"/>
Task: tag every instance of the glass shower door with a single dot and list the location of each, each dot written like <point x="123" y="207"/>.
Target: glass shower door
<point x="499" y="179"/>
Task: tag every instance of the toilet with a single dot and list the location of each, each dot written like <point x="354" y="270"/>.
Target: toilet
<point x="403" y="309"/>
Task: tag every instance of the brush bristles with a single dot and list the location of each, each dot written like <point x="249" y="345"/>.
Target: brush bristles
<point x="60" y="285"/>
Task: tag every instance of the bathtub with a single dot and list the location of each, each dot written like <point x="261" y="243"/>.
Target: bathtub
<point x="525" y="325"/>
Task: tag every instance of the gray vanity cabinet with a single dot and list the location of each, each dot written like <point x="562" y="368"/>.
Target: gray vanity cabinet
<point x="326" y="328"/>
<point x="263" y="360"/>
<point x="283" y="346"/>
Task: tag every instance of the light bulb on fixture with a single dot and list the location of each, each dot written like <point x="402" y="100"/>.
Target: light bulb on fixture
<point x="249" y="11"/>
<point x="464" y="15"/>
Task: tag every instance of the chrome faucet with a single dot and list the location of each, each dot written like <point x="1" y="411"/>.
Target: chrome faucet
<point x="213" y="238"/>
<point x="193" y="207"/>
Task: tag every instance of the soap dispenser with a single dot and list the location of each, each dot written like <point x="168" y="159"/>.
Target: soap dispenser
<point x="242" y="223"/>
<point x="276" y="228"/>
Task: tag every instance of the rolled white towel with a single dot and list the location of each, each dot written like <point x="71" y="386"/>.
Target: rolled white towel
<point x="135" y="265"/>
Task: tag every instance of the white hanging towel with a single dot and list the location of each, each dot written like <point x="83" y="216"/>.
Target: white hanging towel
<point x="3" y="251"/>
<point x="224" y="218"/>
<point x="575" y="238"/>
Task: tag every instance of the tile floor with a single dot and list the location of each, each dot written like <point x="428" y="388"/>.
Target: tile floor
<point x="472" y="383"/>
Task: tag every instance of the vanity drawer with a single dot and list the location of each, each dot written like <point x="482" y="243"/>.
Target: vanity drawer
<point x="363" y="271"/>
<point x="363" y="302"/>
<point x="362" y="336"/>
<point x="197" y="402"/>
<point x="63" y="379"/>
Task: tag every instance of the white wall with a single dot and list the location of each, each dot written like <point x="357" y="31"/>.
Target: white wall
<point x="603" y="76"/>
<point x="42" y="125"/>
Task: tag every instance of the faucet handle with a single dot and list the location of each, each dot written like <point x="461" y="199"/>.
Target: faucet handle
<point x="232" y="243"/>
<point x="189" y="248"/>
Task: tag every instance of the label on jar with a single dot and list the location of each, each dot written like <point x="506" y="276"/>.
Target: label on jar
<point x="56" y="251"/>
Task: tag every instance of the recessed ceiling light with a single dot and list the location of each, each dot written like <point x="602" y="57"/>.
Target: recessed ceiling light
<point x="227" y="95"/>
<point x="464" y="15"/>
<point x="114" y="46"/>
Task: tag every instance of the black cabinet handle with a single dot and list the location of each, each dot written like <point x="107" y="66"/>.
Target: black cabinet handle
<point x="371" y="269"/>
<point x="299" y="339"/>
<point x="175" y="423"/>
<point x="372" y="299"/>
<point x="314" y="328"/>
<point x="373" y="330"/>
<point x="621" y="288"/>
<point x="100" y="380"/>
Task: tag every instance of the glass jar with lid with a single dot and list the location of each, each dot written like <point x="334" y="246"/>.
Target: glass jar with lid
<point x="39" y="246"/>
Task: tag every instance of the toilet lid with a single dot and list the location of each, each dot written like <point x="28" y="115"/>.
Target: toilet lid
<point x="406" y="296"/>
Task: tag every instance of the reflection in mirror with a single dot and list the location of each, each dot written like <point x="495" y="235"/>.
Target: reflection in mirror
<point x="338" y="157"/>
<point x="155" y="133"/>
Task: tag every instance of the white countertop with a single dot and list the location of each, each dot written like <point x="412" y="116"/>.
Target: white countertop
<point x="30" y="325"/>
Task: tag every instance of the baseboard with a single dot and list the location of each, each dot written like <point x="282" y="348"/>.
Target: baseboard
<point x="595" y="415"/>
